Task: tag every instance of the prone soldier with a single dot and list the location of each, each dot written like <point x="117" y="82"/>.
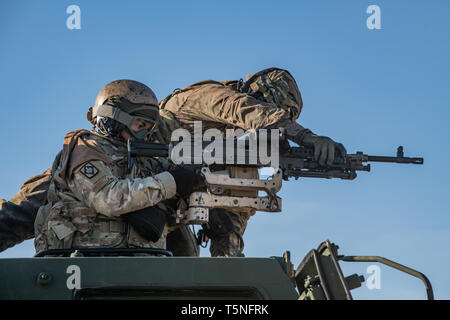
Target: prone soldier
<point x="268" y="99"/>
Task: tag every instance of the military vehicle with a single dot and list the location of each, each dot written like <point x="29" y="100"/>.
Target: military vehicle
<point x="86" y="274"/>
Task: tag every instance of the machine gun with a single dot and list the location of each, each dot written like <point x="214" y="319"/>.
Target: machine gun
<point x="223" y="189"/>
<point x="240" y="193"/>
<point x="299" y="162"/>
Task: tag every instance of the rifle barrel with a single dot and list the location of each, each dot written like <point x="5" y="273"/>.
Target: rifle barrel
<point x="395" y="159"/>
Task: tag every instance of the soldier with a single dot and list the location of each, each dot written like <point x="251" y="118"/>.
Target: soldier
<point x="94" y="199"/>
<point x="18" y="214"/>
<point x="268" y="99"/>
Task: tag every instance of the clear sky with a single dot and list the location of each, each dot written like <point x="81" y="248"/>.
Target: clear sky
<point x="372" y="90"/>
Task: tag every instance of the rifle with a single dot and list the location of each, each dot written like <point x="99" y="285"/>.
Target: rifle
<point x="293" y="162"/>
<point x="299" y="162"/>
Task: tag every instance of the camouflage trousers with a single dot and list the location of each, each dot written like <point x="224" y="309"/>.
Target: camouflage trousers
<point x="231" y="245"/>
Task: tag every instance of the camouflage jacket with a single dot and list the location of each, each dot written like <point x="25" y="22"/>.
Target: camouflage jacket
<point x="91" y="188"/>
<point x="17" y="215"/>
<point x="218" y="105"/>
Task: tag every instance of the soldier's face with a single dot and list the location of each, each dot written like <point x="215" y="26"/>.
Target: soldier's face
<point x="138" y="125"/>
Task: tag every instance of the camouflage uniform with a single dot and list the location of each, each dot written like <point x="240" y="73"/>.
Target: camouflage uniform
<point x="91" y="189"/>
<point x="220" y="106"/>
<point x="17" y="215"/>
<point x="270" y="99"/>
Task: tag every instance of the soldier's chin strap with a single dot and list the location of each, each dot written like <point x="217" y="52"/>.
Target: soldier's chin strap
<point x="126" y="119"/>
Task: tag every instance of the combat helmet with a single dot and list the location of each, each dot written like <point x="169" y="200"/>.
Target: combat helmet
<point x="276" y="86"/>
<point x="119" y="104"/>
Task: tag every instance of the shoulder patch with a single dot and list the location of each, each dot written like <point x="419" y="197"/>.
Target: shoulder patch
<point x="89" y="170"/>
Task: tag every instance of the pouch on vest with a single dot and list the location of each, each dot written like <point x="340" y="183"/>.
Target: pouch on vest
<point x="53" y="230"/>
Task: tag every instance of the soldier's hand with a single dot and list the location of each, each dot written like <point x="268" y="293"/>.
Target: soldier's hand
<point x="185" y="180"/>
<point x="324" y="148"/>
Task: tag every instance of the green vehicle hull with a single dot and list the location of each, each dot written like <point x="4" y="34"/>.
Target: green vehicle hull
<point x="126" y="274"/>
<point x="145" y="277"/>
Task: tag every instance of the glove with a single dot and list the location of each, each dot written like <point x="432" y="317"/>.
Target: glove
<point x="324" y="148"/>
<point x="185" y="180"/>
<point x="148" y="222"/>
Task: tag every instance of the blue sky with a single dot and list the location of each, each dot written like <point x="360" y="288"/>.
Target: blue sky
<point x="372" y="90"/>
